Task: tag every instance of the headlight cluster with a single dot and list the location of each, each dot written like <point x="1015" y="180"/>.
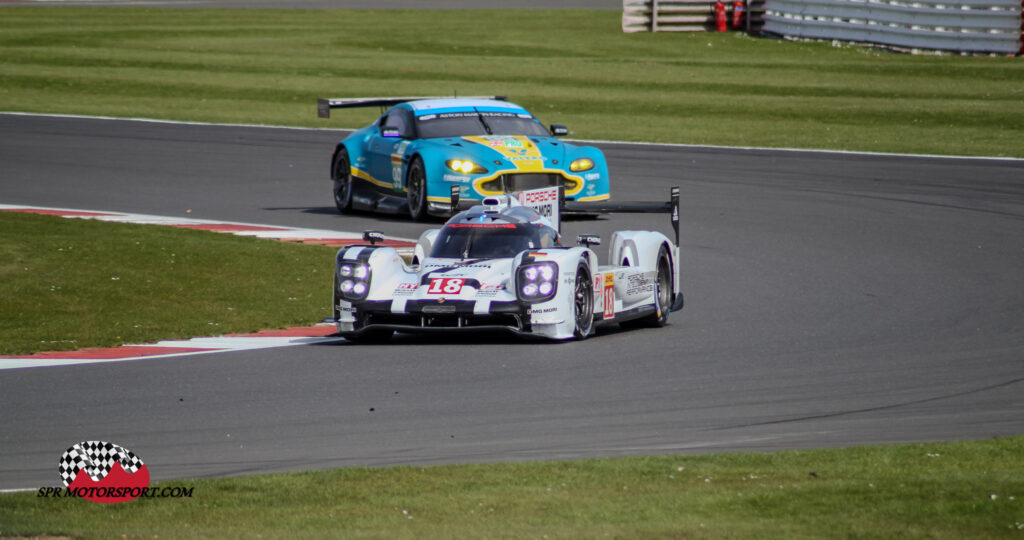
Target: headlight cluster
<point x="537" y="282"/>
<point x="464" y="166"/>
<point x="581" y="164"/>
<point x="353" y="280"/>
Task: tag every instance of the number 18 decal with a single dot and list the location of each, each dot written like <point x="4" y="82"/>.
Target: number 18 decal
<point x="446" y="285"/>
<point x="609" y="296"/>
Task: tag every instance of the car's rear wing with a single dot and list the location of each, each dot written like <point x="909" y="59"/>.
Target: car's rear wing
<point x="670" y="206"/>
<point x="324" y="105"/>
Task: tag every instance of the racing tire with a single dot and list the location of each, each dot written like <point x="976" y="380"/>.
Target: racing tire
<point x="662" y="294"/>
<point x="583" y="303"/>
<point x="342" y="176"/>
<point x="416" y="190"/>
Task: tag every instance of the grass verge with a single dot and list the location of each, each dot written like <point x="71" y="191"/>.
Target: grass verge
<point x="948" y="490"/>
<point x="572" y="67"/>
<point x="72" y="283"/>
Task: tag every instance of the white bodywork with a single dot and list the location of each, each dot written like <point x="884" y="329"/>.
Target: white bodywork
<point x="435" y="294"/>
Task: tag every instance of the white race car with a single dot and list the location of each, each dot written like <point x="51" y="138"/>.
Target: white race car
<point x="500" y="266"/>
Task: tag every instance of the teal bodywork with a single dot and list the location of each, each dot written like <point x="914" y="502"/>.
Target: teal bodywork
<point x="507" y="149"/>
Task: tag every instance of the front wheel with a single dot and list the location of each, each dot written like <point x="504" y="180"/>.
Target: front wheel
<point x="583" y="303"/>
<point x="416" y="190"/>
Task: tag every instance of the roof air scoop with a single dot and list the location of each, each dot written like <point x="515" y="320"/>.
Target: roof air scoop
<point x="494" y="205"/>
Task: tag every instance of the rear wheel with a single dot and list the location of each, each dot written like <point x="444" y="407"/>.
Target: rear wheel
<point x="662" y="292"/>
<point x="583" y="303"/>
<point x="416" y="190"/>
<point x="342" y="175"/>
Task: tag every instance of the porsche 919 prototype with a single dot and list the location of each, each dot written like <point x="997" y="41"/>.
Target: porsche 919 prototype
<point x="408" y="160"/>
<point x="501" y="266"/>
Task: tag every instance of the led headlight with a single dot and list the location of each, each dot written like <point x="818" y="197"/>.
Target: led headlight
<point x="537" y="282"/>
<point x="464" y="166"/>
<point x="353" y="280"/>
<point x="581" y="164"/>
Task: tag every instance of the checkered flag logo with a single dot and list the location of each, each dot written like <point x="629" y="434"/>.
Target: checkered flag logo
<point x="96" y="458"/>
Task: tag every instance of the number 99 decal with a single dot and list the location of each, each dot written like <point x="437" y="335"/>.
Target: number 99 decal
<point x="446" y="285"/>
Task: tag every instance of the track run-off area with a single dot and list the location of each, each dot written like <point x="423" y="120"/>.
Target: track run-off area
<point x="833" y="299"/>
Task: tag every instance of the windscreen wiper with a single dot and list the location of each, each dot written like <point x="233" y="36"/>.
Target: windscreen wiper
<point x="484" y="122"/>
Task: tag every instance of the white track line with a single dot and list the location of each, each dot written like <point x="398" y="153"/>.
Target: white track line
<point x="585" y="141"/>
<point x="209" y="345"/>
<point x="260" y="230"/>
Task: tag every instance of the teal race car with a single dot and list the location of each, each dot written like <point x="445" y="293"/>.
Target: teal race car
<point x="420" y="149"/>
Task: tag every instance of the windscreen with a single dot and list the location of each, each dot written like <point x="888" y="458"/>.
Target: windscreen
<point x="489" y="240"/>
<point x="432" y="126"/>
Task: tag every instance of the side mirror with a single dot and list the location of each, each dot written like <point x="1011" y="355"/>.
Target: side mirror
<point x="588" y="240"/>
<point x="558" y="130"/>
<point x="373" y="237"/>
<point x="456" y="190"/>
<point x="390" y="132"/>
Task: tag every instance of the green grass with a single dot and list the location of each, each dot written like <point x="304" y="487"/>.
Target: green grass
<point x="71" y="283"/>
<point x="949" y="490"/>
<point x="572" y="67"/>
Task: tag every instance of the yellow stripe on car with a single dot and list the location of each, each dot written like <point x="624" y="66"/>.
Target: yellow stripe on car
<point x="358" y="173"/>
<point x="518" y="149"/>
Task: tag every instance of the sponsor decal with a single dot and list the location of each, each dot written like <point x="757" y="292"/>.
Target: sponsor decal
<point x="456" y="265"/>
<point x="502" y="142"/>
<point x="406" y="289"/>
<point x="639" y="284"/>
<point x="446" y="285"/>
<point x="533" y="311"/>
<point x="609" y="295"/>
<point x="105" y="472"/>
<point x="468" y="114"/>
<point x="481" y="226"/>
<point x="544" y="201"/>
<point x="592" y="176"/>
<point x="456" y="178"/>
<point x="538" y="196"/>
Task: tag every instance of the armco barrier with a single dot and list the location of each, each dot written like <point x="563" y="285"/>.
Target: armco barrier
<point x="975" y="26"/>
<point x="685" y="15"/>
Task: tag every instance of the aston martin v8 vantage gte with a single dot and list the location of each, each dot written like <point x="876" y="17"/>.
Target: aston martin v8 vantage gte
<point x="419" y="148"/>
<point x="500" y="266"/>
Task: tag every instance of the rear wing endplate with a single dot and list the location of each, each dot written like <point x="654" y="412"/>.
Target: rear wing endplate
<point x="324" y="105"/>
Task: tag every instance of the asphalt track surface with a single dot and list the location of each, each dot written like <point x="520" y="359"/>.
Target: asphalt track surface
<point x="832" y="300"/>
